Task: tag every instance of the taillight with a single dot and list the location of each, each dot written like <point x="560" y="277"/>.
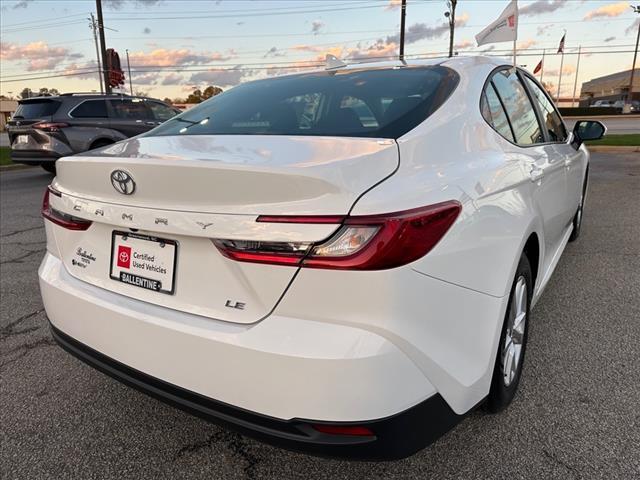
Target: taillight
<point x="60" y="218"/>
<point x="372" y="242"/>
<point x="49" y="126"/>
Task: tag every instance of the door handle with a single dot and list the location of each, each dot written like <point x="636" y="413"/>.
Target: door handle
<point x="149" y="123"/>
<point x="536" y="174"/>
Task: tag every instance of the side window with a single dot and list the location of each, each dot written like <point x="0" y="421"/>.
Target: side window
<point x="127" y="109"/>
<point x="519" y="109"/>
<point x="493" y="113"/>
<point x="366" y="116"/>
<point x="161" y="111"/>
<point x="552" y="120"/>
<point x="90" y="109"/>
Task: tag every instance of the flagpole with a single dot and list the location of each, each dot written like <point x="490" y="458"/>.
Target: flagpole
<point x="575" y="81"/>
<point x="564" y="38"/>
<point x="542" y="68"/>
<point x="514" y="55"/>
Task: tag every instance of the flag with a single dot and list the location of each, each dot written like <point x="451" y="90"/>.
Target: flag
<point x="538" y="67"/>
<point x="504" y="29"/>
<point x="561" y="46"/>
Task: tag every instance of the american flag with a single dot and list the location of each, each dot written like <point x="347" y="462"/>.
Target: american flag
<point x="561" y="47"/>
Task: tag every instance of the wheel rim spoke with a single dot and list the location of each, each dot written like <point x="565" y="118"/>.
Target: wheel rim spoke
<point x="514" y="336"/>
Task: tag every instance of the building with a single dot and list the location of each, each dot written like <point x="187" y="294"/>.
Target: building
<point x="612" y="88"/>
<point x="7" y="109"/>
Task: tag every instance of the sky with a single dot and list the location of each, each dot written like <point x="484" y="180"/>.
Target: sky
<point x="178" y="45"/>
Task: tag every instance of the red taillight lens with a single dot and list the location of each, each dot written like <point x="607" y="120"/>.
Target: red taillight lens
<point x="49" y="126"/>
<point x="374" y="242"/>
<point x="60" y="218"/>
<point x="355" y="430"/>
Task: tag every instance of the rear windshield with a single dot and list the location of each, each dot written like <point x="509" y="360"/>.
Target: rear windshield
<point x="36" y="109"/>
<point x="383" y="103"/>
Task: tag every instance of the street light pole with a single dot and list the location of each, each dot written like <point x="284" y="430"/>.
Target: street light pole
<point x="636" y="9"/>
<point x="103" y="48"/>
<point x="129" y="70"/>
<point x="94" y="27"/>
<point x="451" y="15"/>
<point x="403" y="13"/>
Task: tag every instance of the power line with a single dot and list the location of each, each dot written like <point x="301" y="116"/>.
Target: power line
<point x="45" y="20"/>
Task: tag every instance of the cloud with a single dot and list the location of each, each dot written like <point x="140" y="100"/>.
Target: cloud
<point x="609" y="39"/>
<point x="566" y="70"/>
<point x="118" y="4"/>
<point x="316" y="26"/>
<point x="221" y="77"/>
<point x="542" y="29"/>
<point x="163" y="57"/>
<point x="89" y="69"/>
<point x="274" y="52"/>
<point x="37" y="55"/>
<point x="172" y="79"/>
<point x="145" y="78"/>
<point x="523" y="45"/>
<point x="611" y="10"/>
<point x="542" y="6"/>
<point x="393" y="4"/>
<point x="463" y="45"/>
<point x="633" y="27"/>
<point x="420" y="31"/>
<point x="146" y="30"/>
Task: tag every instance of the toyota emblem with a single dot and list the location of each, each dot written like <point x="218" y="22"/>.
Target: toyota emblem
<point x="123" y="182"/>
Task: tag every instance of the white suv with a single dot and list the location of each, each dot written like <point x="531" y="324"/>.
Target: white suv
<point x="341" y="261"/>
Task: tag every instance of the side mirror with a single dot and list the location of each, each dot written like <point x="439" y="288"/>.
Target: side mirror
<point x="587" y="130"/>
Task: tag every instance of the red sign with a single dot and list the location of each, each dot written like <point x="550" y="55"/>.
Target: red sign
<point x="124" y="256"/>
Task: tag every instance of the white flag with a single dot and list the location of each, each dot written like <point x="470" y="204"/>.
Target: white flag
<point x="504" y="29"/>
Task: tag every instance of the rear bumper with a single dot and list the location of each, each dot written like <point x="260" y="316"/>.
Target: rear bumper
<point x="270" y="380"/>
<point x="395" y="437"/>
<point x="33" y="157"/>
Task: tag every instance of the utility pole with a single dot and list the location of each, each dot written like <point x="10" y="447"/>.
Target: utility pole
<point x="451" y="15"/>
<point x="103" y="48"/>
<point x="636" y="9"/>
<point x="129" y="70"/>
<point x="575" y="80"/>
<point x="403" y="14"/>
<point x="94" y="27"/>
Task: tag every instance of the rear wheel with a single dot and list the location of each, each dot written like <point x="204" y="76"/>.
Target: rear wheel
<point x="49" y="167"/>
<point x="513" y="340"/>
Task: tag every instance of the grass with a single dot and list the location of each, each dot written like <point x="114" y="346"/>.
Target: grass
<point x="626" y="140"/>
<point x="5" y="156"/>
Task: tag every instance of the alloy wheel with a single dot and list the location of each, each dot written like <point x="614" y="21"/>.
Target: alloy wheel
<point x="514" y="337"/>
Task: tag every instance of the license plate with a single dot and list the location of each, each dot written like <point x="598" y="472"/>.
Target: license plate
<point x="144" y="261"/>
<point x="22" y="139"/>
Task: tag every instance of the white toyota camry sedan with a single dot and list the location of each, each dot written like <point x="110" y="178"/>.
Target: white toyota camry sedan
<point x="341" y="262"/>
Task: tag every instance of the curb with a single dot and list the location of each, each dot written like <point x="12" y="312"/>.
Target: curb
<point x="613" y="148"/>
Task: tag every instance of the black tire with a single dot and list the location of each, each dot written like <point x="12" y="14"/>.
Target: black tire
<point x="49" y="167"/>
<point x="577" y="218"/>
<point x="501" y="394"/>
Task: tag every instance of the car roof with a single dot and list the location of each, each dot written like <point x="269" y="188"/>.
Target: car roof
<point x="84" y="96"/>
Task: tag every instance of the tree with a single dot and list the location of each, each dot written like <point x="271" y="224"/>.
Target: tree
<point x="168" y="101"/>
<point x="198" y="96"/>
<point x="26" y="93"/>
<point x="211" y="91"/>
<point x="48" y="92"/>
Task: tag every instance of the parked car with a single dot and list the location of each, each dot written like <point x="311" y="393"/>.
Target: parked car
<point x="44" y="129"/>
<point x="342" y="262"/>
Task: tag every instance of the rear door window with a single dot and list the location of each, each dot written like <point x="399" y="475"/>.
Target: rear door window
<point x="36" y="109"/>
<point x="131" y="109"/>
<point x="550" y="116"/>
<point x="518" y="106"/>
<point x="381" y="102"/>
<point x="90" y="109"/>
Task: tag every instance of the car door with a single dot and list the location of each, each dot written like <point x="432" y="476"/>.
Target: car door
<point x="546" y="172"/>
<point x="559" y="146"/>
<point x="130" y="116"/>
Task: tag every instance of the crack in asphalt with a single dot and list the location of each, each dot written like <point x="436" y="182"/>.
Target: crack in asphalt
<point x="23" y="230"/>
<point x="25" y="349"/>
<point x="8" y="329"/>
<point x="566" y="465"/>
<point x="19" y="259"/>
<point x="235" y="442"/>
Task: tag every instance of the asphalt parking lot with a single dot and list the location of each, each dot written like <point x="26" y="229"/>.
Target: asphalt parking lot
<point x="577" y="414"/>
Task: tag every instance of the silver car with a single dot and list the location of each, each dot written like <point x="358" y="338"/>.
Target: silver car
<point x="44" y="129"/>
